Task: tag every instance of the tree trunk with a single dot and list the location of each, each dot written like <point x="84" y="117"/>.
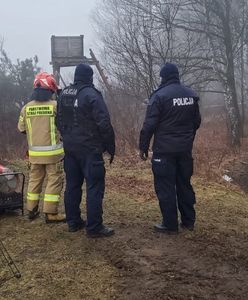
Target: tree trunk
<point x="231" y="99"/>
<point x="233" y="118"/>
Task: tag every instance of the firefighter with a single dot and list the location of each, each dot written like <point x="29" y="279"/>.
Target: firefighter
<point x="172" y="117"/>
<point x="84" y="123"/>
<point x="37" y="121"/>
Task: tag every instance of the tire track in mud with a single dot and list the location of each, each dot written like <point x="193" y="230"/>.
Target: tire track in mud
<point x="157" y="266"/>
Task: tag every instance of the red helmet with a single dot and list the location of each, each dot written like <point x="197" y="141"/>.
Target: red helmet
<point x="46" y="81"/>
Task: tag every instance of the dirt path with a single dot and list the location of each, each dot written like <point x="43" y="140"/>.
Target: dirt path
<point x="137" y="263"/>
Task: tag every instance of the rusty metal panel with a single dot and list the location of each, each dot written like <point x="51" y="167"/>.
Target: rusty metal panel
<point x="69" y="47"/>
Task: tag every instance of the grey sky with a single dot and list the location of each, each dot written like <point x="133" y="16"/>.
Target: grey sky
<point x="27" y="25"/>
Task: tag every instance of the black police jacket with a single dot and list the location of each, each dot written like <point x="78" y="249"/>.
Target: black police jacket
<point x="172" y="117"/>
<point x="83" y="120"/>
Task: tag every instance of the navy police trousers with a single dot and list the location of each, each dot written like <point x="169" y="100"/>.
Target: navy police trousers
<point x="172" y="173"/>
<point x="89" y="167"/>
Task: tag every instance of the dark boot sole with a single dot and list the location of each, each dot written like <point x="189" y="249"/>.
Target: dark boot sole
<point x="169" y="232"/>
<point x="99" y="235"/>
<point x="187" y="228"/>
<point x="31" y="218"/>
<point x="76" y="229"/>
<point x="54" y="222"/>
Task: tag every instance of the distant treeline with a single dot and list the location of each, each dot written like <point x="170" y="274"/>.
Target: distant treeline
<point x="16" y="83"/>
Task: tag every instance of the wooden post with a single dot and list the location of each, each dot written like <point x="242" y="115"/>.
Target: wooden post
<point x="101" y="72"/>
<point x="56" y="72"/>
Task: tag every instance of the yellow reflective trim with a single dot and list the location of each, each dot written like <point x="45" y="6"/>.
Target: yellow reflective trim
<point x="51" y="198"/>
<point x="29" y="132"/>
<point x="33" y="196"/>
<point x="39" y="110"/>
<point x="53" y="131"/>
<point x="46" y="153"/>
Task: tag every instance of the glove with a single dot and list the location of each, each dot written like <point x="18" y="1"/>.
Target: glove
<point x="143" y="154"/>
<point x="111" y="158"/>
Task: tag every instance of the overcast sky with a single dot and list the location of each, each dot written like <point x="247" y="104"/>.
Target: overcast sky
<point x="27" y="26"/>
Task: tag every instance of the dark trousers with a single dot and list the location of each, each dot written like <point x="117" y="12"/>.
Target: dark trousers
<point x="79" y="166"/>
<point x="172" y="173"/>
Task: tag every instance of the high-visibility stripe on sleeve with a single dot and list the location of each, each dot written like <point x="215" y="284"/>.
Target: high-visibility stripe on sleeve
<point x="29" y="132"/>
<point x="51" y="198"/>
<point x="53" y="131"/>
<point x="33" y="196"/>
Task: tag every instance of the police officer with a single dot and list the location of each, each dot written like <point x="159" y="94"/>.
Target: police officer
<point x="172" y="117"/>
<point x="84" y="123"/>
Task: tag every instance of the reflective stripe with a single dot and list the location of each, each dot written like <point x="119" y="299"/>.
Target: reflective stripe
<point x="46" y="153"/>
<point x="21" y="118"/>
<point x="33" y="196"/>
<point x="53" y="131"/>
<point x="46" y="148"/>
<point x="29" y="132"/>
<point x="51" y="198"/>
<point x="39" y="110"/>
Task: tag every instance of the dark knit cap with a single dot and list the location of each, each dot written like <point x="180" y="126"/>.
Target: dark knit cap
<point x="83" y="73"/>
<point x="41" y="94"/>
<point x="169" y="71"/>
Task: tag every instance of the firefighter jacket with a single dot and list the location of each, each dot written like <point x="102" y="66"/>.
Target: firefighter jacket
<point x="83" y="120"/>
<point x="37" y="120"/>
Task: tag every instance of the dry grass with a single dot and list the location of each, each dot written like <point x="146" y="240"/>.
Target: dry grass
<point x="210" y="263"/>
<point x="213" y="154"/>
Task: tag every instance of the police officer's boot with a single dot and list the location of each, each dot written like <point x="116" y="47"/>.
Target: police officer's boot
<point x="104" y="232"/>
<point x="76" y="227"/>
<point x="55" y="218"/>
<point x="187" y="227"/>
<point x="162" y="228"/>
<point x="34" y="213"/>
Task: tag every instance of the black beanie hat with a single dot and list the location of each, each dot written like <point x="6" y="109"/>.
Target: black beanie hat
<point x="83" y="73"/>
<point x="169" y="71"/>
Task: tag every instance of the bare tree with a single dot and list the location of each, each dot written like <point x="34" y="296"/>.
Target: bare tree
<point x="207" y="39"/>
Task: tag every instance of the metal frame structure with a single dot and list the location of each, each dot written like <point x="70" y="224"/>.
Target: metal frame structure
<point x="13" y="200"/>
<point x="8" y="262"/>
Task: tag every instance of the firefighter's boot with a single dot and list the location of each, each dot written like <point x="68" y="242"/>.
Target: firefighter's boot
<point x="34" y="213"/>
<point x="55" y="218"/>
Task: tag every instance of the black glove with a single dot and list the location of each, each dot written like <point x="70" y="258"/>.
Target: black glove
<point x="111" y="158"/>
<point x="110" y="148"/>
<point x="143" y="154"/>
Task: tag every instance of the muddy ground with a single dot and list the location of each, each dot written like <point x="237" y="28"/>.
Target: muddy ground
<point x="137" y="263"/>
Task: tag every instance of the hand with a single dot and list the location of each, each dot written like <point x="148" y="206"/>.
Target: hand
<point x="111" y="158"/>
<point x="143" y="154"/>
